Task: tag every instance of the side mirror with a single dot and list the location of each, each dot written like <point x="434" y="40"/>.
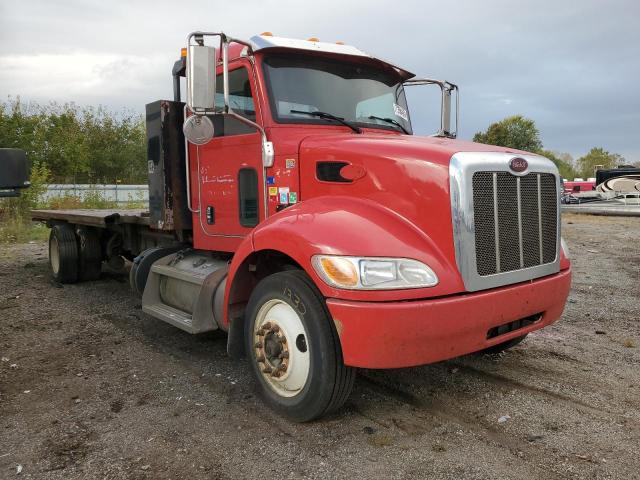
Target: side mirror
<point x="447" y="110"/>
<point x="14" y="172"/>
<point x="198" y="129"/>
<point x="201" y="78"/>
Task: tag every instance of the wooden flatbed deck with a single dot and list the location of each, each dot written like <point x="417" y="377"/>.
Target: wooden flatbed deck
<point x="94" y="217"/>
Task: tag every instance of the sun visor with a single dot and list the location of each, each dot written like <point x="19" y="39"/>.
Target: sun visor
<point x="266" y="42"/>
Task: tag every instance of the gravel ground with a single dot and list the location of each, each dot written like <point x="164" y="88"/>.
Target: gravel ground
<point x="90" y="387"/>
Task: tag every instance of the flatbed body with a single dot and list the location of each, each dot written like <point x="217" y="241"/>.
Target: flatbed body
<point x="94" y="217"/>
<point x="132" y="227"/>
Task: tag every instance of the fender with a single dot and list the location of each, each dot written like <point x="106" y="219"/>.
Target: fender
<point x="343" y="225"/>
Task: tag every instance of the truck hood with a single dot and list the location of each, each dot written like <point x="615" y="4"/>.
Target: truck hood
<point x="433" y="149"/>
<point x="408" y="175"/>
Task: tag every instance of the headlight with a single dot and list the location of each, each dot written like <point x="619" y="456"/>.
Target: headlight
<point x="373" y="273"/>
<point x="565" y="248"/>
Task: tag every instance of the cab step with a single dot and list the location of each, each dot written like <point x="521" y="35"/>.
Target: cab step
<point x="171" y="315"/>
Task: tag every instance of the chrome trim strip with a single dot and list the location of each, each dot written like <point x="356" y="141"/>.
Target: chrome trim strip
<point x="496" y="220"/>
<point x="462" y="166"/>
<point x="540" y="220"/>
<point x="520" y="220"/>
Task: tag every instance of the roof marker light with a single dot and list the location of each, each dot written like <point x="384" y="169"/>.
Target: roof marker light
<point x="266" y="34"/>
<point x="339" y="43"/>
<point x="313" y="39"/>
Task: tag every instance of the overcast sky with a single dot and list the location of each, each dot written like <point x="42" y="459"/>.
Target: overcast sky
<point x="573" y="67"/>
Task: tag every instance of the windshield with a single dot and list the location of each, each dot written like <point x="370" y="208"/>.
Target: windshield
<point x="353" y="92"/>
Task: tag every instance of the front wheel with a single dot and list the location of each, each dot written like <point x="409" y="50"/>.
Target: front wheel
<point x="294" y="349"/>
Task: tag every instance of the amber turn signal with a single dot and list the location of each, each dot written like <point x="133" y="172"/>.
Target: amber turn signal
<point x="339" y="271"/>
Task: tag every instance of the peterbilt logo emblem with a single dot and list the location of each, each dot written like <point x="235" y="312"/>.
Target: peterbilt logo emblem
<point x="518" y="164"/>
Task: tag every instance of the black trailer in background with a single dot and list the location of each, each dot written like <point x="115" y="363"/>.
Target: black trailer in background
<point x="14" y="172"/>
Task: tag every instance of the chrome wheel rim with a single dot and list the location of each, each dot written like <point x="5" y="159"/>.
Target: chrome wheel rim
<point x="281" y="351"/>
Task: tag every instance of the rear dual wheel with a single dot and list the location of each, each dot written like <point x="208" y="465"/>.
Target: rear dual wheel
<point x="63" y="253"/>
<point x="294" y="349"/>
<point x="89" y="255"/>
<point x="74" y="257"/>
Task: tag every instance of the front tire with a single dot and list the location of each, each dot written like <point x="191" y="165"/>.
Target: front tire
<point x="293" y="348"/>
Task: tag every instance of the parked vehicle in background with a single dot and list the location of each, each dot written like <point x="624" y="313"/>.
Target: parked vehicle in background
<point x="622" y="180"/>
<point x="14" y="172"/>
<point x="578" y="185"/>
<point x="291" y="206"/>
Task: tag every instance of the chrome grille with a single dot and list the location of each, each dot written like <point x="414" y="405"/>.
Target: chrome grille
<point x="515" y="221"/>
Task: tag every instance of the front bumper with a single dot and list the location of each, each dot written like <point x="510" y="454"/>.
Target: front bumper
<point x="417" y="332"/>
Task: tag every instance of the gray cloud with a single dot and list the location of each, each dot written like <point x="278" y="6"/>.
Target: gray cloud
<point x="571" y="66"/>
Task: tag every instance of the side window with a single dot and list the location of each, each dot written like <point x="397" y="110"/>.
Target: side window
<point x="248" y="196"/>
<point x="240" y="99"/>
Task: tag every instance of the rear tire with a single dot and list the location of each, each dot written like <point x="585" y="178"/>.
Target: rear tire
<point x="90" y="255"/>
<point x="293" y="348"/>
<point x="501" y="347"/>
<point x="63" y="253"/>
<point x="142" y="264"/>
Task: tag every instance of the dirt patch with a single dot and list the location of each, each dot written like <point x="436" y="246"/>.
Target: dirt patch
<point x="90" y="387"/>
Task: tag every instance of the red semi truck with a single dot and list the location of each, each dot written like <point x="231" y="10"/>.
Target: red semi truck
<point x="292" y="207"/>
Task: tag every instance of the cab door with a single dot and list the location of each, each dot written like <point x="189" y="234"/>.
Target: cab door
<point x="228" y="170"/>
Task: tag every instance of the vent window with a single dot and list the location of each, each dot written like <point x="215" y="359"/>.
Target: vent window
<point x="330" y="172"/>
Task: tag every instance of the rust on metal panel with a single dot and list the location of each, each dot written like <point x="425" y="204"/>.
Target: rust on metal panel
<point x="94" y="217"/>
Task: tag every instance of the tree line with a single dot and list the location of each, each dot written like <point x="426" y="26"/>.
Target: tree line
<point x="94" y="145"/>
<point x="77" y="144"/>
<point x="521" y="133"/>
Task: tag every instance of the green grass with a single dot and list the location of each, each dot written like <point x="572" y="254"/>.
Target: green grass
<point x="18" y="230"/>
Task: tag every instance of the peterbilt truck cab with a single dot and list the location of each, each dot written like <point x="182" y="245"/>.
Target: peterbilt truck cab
<point x="292" y="206"/>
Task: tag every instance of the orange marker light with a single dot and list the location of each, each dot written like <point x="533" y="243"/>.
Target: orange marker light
<point x="313" y="39"/>
<point x="183" y="52"/>
<point x="339" y="43"/>
<point x="266" y="34"/>
<point x="340" y="271"/>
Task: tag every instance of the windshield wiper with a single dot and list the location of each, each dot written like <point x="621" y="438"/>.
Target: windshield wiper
<point x="328" y="116"/>
<point x="390" y="120"/>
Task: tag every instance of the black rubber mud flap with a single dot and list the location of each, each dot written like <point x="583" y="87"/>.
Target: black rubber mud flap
<point x="235" y="339"/>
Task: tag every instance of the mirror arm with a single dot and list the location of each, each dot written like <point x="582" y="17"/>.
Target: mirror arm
<point x="187" y="166"/>
<point x="225" y="73"/>
<point x="267" y="146"/>
<point x="267" y="155"/>
<point x="446" y="89"/>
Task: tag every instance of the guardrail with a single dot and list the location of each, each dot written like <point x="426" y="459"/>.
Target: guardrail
<point x="114" y="193"/>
